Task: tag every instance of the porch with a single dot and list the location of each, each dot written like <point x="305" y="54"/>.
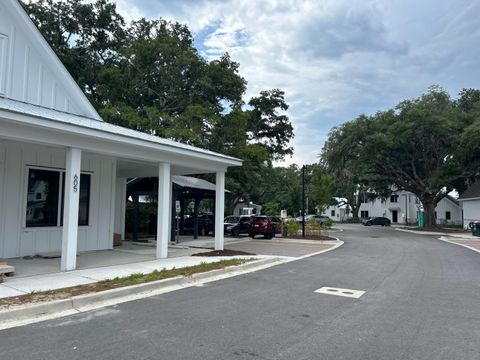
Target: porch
<point x="63" y="182"/>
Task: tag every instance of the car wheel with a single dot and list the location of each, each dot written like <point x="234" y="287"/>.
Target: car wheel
<point x="252" y="235"/>
<point x="203" y="232"/>
<point x="369" y="224"/>
<point x="235" y="232"/>
<point x="268" y="236"/>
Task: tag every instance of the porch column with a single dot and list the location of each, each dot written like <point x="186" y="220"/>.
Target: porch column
<point x="70" y="209"/>
<point x="163" y="211"/>
<point x="219" y="209"/>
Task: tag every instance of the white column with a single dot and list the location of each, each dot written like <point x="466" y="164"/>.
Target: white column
<point x="163" y="211"/>
<point x="70" y="209"/>
<point x="219" y="209"/>
<point x="120" y="206"/>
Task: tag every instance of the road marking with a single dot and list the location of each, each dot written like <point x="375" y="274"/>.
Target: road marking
<point x="340" y="292"/>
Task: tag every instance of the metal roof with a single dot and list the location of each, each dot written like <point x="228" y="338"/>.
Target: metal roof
<point x="90" y="123"/>
<point x="472" y="192"/>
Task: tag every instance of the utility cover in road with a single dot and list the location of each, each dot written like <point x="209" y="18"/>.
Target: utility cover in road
<point x="340" y="292"/>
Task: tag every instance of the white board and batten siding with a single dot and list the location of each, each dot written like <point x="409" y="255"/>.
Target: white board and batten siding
<point x="17" y="240"/>
<point x="30" y="72"/>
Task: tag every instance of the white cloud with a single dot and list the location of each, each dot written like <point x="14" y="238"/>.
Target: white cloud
<point x="335" y="59"/>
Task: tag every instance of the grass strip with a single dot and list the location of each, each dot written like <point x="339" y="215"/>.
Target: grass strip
<point x="134" y="279"/>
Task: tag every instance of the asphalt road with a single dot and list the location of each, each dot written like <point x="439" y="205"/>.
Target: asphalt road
<point x="422" y="301"/>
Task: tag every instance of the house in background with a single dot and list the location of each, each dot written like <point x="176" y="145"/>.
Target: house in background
<point x="448" y="211"/>
<point x="63" y="170"/>
<point x="470" y="201"/>
<point x="402" y="207"/>
<point x="339" y="212"/>
<point x="250" y="208"/>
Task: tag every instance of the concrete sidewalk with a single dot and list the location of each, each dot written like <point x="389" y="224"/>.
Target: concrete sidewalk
<point x="16" y="286"/>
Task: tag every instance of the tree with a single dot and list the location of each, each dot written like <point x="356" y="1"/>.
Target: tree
<point x="322" y="188"/>
<point x="414" y="147"/>
<point x="148" y="76"/>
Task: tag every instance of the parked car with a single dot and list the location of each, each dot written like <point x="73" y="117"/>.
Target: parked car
<point x="277" y="223"/>
<point x="377" y="221"/>
<point x="206" y="224"/>
<point x="319" y="218"/>
<point x="262" y="225"/>
<point x="236" y="225"/>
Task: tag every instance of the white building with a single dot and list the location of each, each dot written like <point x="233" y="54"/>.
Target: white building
<point x="402" y="207"/>
<point x="63" y="170"/>
<point x="448" y="211"/>
<point x="470" y="201"/>
<point x="339" y="212"/>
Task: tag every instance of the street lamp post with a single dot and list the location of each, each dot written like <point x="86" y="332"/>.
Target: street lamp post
<point x="303" y="201"/>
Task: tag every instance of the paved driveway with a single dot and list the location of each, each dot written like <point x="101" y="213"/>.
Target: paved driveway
<point x="421" y="301"/>
<point x="280" y="247"/>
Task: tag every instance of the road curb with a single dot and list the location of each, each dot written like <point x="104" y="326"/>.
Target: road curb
<point x="443" y="238"/>
<point x="35" y="312"/>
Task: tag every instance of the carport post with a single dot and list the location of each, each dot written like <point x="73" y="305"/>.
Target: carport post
<point x="73" y="163"/>
<point x="163" y="211"/>
<point x="219" y="209"/>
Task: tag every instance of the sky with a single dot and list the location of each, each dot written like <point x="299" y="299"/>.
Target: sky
<point x="335" y="59"/>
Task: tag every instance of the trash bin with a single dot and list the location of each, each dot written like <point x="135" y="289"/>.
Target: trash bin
<point x="475" y="226"/>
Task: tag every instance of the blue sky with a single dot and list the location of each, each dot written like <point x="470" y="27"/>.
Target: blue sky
<point x="334" y="59"/>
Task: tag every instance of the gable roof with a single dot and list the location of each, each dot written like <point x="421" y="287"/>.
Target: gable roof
<point x="30" y="71"/>
<point x="473" y="192"/>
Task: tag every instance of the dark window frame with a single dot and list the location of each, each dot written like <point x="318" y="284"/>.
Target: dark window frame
<point x="84" y="222"/>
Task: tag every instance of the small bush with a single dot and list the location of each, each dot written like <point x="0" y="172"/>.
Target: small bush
<point x="290" y="227"/>
<point x="327" y="223"/>
<point x="313" y="227"/>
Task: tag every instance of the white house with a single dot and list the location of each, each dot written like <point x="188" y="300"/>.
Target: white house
<point x="448" y="211"/>
<point x="63" y="170"/>
<point x="338" y="212"/>
<point x="470" y="201"/>
<point x="402" y="207"/>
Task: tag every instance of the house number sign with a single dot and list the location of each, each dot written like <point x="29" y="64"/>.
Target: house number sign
<point x="75" y="183"/>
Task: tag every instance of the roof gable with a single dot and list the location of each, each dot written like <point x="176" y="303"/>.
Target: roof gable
<point x="29" y="69"/>
<point x="472" y="192"/>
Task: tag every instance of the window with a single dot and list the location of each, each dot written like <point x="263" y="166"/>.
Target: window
<point x="42" y="198"/>
<point x="332" y="212"/>
<point x="394" y="199"/>
<point x="45" y="198"/>
<point x="364" y="214"/>
<point x="448" y="215"/>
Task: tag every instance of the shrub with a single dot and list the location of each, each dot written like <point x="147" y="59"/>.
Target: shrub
<point x="327" y="223"/>
<point x="290" y="227"/>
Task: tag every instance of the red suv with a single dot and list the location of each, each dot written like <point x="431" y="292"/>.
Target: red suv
<point x="261" y="225"/>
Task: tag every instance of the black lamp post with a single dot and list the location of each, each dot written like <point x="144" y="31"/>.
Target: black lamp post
<point x="303" y="201"/>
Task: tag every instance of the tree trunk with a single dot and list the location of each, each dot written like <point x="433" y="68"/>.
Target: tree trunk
<point x="429" y="208"/>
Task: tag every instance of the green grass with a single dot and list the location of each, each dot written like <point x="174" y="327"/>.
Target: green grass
<point x="118" y="282"/>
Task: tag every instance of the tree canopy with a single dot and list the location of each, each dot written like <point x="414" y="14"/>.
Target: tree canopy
<point x="148" y="76"/>
<point x="424" y="145"/>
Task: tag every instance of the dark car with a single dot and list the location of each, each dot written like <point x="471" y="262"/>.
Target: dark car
<point x="236" y="225"/>
<point x="206" y="224"/>
<point x="262" y="225"/>
<point x="377" y="221"/>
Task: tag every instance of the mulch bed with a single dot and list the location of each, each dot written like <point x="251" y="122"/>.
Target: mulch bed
<point x="223" y="253"/>
<point x="311" y="237"/>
